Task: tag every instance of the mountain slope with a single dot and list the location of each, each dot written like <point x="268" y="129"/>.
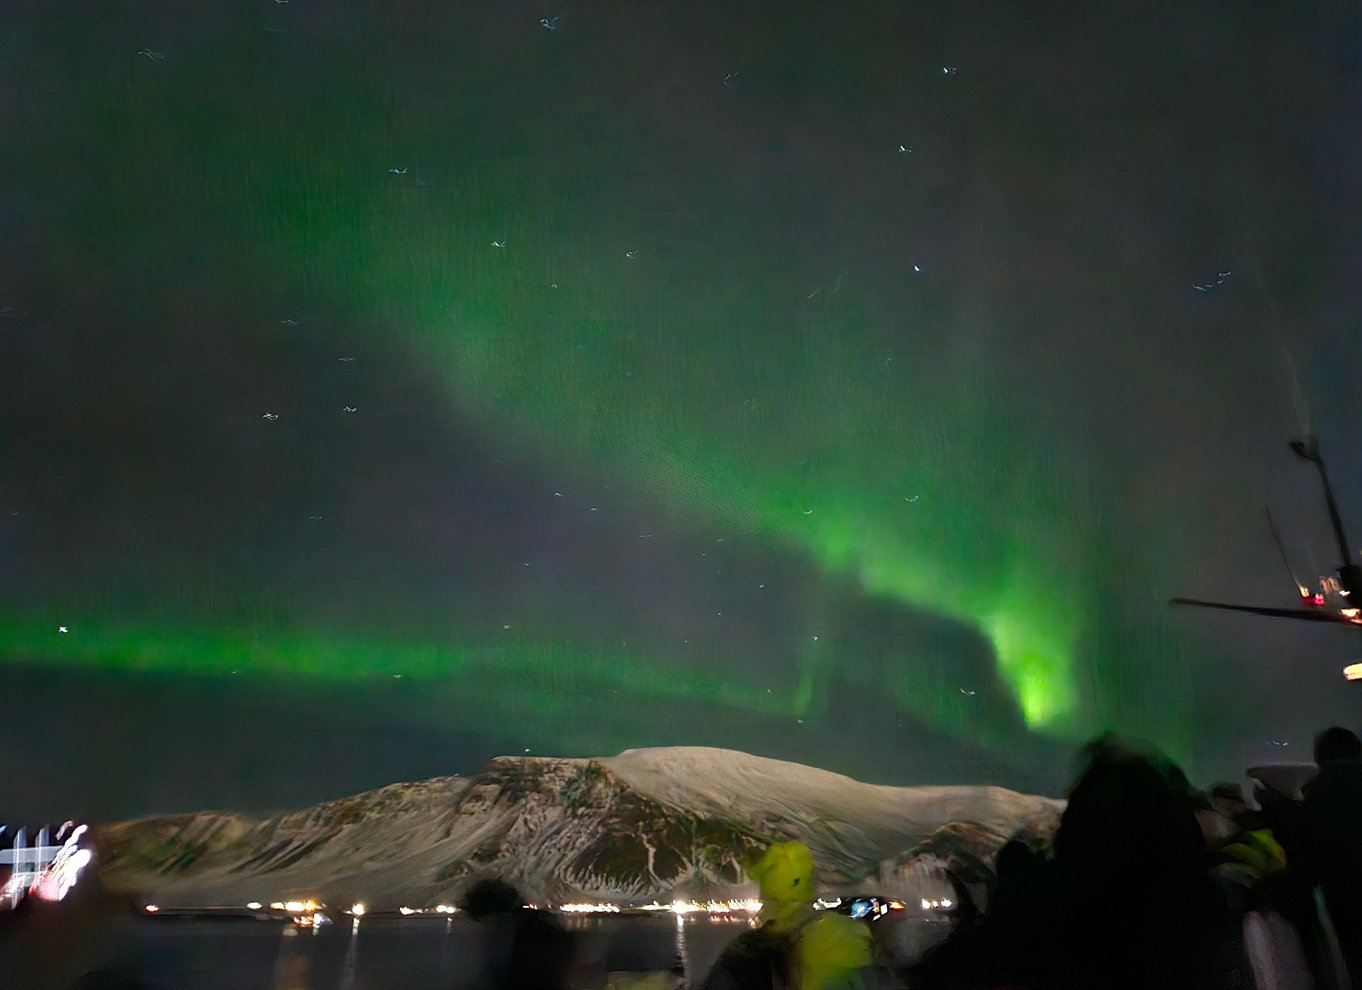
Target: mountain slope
<point x="647" y="823"/>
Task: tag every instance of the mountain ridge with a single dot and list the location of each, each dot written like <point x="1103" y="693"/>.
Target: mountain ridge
<point x="650" y="823"/>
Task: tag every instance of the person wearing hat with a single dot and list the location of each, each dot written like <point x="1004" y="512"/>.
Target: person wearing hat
<point x="795" y="947"/>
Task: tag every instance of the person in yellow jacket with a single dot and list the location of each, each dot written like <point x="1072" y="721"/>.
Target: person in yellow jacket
<point x="795" y="947"/>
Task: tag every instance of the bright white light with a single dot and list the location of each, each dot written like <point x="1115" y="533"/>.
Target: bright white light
<point x="253" y="905"/>
<point x="404" y="910"/>
<point x="151" y="909"/>
<point x="55" y="882"/>
<point x="1353" y="672"/>
<point x="587" y="908"/>
<point x="358" y="909"/>
<point x="679" y="907"/>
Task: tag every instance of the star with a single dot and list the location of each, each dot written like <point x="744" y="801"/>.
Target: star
<point x="499" y="244"/>
<point x="154" y="56"/>
<point x="62" y="629"/>
<point x="349" y="409"/>
<point x="270" y="416"/>
<point x="549" y="23"/>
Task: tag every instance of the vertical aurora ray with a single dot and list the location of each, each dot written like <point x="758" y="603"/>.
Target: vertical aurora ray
<point x="923" y="493"/>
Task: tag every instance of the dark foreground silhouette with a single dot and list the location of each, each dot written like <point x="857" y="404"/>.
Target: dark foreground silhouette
<point x="1153" y="884"/>
<point x="526" y="949"/>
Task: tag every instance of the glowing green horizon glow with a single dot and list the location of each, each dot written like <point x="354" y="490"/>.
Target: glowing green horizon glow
<point x="547" y="677"/>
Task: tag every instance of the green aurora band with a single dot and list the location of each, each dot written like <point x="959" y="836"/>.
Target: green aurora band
<point x="699" y="373"/>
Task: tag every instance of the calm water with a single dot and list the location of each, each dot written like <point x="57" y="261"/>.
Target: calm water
<point x="378" y="954"/>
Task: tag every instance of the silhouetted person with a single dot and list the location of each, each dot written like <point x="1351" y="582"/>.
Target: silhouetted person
<point x="1012" y="942"/>
<point x="1282" y="814"/>
<point x="1136" y="904"/>
<point x="1020" y="872"/>
<point x="1331" y="835"/>
<point x="1125" y="902"/>
<point x="527" y="949"/>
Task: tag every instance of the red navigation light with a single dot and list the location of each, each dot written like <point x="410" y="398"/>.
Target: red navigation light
<point x="1317" y="600"/>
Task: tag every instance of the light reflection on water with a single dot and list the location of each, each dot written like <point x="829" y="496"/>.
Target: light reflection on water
<point x="411" y="953"/>
<point x="373" y="954"/>
<point x="347" y="980"/>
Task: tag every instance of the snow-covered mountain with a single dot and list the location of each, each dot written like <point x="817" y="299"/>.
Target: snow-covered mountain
<point x="649" y="823"/>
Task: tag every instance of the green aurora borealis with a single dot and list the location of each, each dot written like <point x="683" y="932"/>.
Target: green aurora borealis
<point x="690" y="309"/>
<point x="818" y="440"/>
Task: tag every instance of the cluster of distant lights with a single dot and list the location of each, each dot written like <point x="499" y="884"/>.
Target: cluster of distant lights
<point x="682" y="908"/>
<point x="407" y="912"/>
<point x="305" y="911"/>
<point x="875" y="907"/>
<point x="308" y="912"/>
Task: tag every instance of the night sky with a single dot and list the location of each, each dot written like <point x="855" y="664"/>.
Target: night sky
<point x="384" y="387"/>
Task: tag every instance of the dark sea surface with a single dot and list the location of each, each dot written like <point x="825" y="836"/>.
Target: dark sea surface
<point x="377" y="954"/>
